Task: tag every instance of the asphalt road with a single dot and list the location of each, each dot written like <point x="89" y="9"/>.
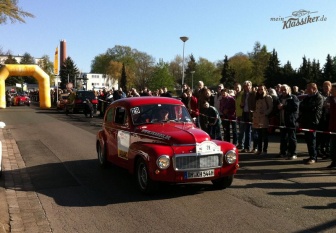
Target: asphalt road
<point x="58" y="153"/>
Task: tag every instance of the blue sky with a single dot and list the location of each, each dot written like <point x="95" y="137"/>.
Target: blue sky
<point x="215" y="28"/>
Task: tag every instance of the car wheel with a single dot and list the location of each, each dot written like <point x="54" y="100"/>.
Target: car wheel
<point x="144" y="183"/>
<point x="101" y="152"/>
<point x="223" y="182"/>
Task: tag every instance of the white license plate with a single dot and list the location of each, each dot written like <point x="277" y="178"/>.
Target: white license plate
<point x="199" y="174"/>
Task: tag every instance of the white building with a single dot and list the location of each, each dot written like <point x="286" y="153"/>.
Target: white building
<point x="92" y="81"/>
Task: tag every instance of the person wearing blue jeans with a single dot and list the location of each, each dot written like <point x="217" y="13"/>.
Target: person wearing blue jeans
<point x="288" y="106"/>
<point x="239" y="113"/>
<point x="248" y="105"/>
<point x="247" y="131"/>
<point x="310" y="110"/>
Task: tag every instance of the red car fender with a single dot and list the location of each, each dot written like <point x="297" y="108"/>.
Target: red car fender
<point x="149" y="152"/>
<point x="100" y="138"/>
<point x="225" y="147"/>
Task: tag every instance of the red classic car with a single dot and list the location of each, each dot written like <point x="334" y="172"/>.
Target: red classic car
<point x="21" y="99"/>
<point x="156" y="139"/>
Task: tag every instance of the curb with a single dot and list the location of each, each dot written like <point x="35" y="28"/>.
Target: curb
<point x="4" y="215"/>
<point x="20" y="206"/>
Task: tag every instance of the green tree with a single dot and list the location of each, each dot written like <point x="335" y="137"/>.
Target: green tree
<point x="48" y="67"/>
<point x="12" y="80"/>
<point x="329" y="69"/>
<point x="273" y="71"/>
<point x="100" y="64"/>
<point x="9" y="10"/>
<point x="290" y="77"/>
<point x="138" y="65"/>
<point x="143" y="69"/>
<point x="175" y="70"/>
<point x="316" y="73"/>
<point x="228" y="74"/>
<point x="68" y="72"/>
<point x="161" y="77"/>
<point x="259" y="58"/>
<point x="191" y="66"/>
<point x="241" y="66"/>
<point x="27" y="59"/>
<point x="305" y="71"/>
<point x="206" y="71"/>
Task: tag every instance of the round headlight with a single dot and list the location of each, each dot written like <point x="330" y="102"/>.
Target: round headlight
<point x="230" y="157"/>
<point x="163" y="161"/>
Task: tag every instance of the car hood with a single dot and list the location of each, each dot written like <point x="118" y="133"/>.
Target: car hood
<point x="174" y="133"/>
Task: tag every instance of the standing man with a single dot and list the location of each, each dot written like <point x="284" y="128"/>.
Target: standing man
<point x="310" y="115"/>
<point x="332" y="126"/>
<point x="289" y="109"/>
<point x="239" y="115"/>
<point x="323" y="140"/>
<point x="248" y="105"/>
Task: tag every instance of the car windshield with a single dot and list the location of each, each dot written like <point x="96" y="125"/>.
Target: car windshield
<point x="159" y="113"/>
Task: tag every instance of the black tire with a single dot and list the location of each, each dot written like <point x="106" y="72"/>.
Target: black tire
<point x="223" y="183"/>
<point x="101" y="153"/>
<point x="144" y="183"/>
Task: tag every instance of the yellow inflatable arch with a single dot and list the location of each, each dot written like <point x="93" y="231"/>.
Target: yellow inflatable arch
<point x="26" y="70"/>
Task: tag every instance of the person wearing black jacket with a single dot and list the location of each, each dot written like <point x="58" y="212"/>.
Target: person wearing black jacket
<point x="310" y="114"/>
<point x="288" y="106"/>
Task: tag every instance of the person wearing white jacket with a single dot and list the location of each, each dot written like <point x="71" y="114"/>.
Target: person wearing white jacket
<point x="260" y="122"/>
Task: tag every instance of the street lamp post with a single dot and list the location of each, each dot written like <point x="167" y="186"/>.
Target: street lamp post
<point x="192" y="79"/>
<point x="184" y="39"/>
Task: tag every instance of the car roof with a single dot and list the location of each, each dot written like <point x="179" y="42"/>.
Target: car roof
<point x="137" y="101"/>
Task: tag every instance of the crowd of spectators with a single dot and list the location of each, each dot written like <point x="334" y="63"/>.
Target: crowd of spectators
<point x="247" y="114"/>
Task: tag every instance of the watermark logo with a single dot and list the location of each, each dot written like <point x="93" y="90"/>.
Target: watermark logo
<point x="299" y="18"/>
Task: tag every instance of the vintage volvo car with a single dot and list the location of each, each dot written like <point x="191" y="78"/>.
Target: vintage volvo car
<point x="156" y="139"/>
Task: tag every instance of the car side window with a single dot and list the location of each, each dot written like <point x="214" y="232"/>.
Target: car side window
<point x="120" y="116"/>
<point x="109" y="115"/>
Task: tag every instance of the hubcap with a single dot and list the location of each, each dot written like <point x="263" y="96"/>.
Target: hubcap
<point x="142" y="176"/>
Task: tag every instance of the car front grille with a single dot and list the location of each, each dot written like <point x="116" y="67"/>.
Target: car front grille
<point x="192" y="162"/>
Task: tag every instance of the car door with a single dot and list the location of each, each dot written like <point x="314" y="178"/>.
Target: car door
<point x="119" y="136"/>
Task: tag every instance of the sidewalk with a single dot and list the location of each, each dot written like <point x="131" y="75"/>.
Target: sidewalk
<point x="20" y="207"/>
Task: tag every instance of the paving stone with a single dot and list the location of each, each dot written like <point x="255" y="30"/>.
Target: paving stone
<point x="24" y="207"/>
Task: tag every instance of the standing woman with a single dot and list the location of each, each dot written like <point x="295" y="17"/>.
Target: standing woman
<point x="264" y="106"/>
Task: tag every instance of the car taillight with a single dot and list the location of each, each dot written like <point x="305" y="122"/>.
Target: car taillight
<point x="95" y="101"/>
<point x="78" y="101"/>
